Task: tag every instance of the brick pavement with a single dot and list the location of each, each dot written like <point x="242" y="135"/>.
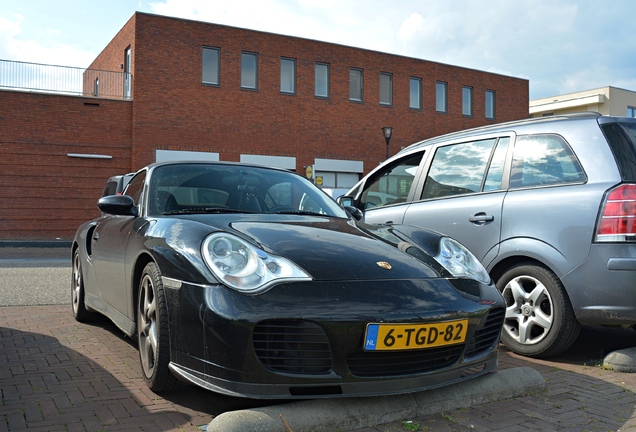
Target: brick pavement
<point x="581" y="395"/>
<point x="59" y="375"/>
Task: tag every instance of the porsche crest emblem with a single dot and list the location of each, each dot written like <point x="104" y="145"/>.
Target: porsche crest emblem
<point x="385" y="265"/>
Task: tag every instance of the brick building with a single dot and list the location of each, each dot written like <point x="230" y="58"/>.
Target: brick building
<point x="206" y="91"/>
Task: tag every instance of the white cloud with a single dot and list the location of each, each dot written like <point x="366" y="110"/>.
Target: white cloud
<point x="410" y="27"/>
<point x="557" y="45"/>
<point x="329" y="20"/>
<point x="17" y="46"/>
<point x="9" y="30"/>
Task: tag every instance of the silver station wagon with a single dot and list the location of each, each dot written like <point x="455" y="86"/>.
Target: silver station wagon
<point x="547" y="205"/>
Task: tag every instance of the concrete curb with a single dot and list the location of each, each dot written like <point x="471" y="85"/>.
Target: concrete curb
<point x="324" y="415"/>
<point x="623" y="360"/>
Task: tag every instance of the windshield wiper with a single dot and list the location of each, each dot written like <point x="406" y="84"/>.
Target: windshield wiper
<point x="204" y="210"/>
<point x="300" y="212"/>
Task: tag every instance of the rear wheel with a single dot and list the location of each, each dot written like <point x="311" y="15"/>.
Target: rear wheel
<point x="80" y="312"/>
<point x="540" y="321"/>
<point x="153" y="332"/>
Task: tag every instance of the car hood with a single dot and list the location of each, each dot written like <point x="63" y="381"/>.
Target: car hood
<point x="336" y="249"/>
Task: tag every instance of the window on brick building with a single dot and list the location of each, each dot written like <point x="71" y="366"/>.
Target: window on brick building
<point x="321" y="88"/>
<point x="249" y="70"/>
<point x="211" y="66"/>
<point x="386" y="89"/>
<point x="288" y="75"/>
<point x="631" y="111"/>
<point x="440" y="97"/>
<point x="415" y="92"/>
<point x="356" y="85"/>
<point x="467" y="101"/>
<point x="490" y="104"/>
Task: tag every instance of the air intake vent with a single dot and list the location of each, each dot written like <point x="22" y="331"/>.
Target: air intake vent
<point x="391" y="363"/>
<point x="293" y="347"/>
<point x="487" y="334"/>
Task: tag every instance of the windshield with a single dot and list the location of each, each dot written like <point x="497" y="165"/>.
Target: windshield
<point x="227" y="188"/>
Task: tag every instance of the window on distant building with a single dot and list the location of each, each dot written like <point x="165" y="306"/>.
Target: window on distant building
<point x="631" y="111"/>
<point x="356" y="85"/>
<point x="210" y="66"/>
<point x="490" y="104"/>
<point x="127" y="63"/>
<point x="386" y="89"/>
<point x="249" y="70"/>
<point x="287" y="75"/>
<point x="415" y="93"/>
<point x="467" y="101"/>
<point x="322" y="80"/>
<point x="96" y="87"/>
<point x="440" y="97"/>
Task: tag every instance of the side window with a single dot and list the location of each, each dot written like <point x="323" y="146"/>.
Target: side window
<point x="495" y="170"/>
<point x="393" y="185"/>
<point x="458" y="169"/>
<point x="279" y="195"/>
<point x="544" y="160"/>
<point x="136" y="186"/>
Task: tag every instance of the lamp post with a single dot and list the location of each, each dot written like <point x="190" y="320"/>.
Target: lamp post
<point x="387" y="131"/>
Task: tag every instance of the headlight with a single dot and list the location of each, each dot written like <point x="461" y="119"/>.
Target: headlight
<point x="459" y="261"/>
<point x="244" y="267"/>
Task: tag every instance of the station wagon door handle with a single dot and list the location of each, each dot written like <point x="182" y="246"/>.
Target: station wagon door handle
<point x="481" y="218"/>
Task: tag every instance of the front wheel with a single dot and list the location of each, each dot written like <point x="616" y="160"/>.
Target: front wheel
<point x="539" y="321"/>
<point x="153" y="332"/>
<point x="80" y="312"/>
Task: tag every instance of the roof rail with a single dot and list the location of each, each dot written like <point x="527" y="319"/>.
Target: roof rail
<point x="486" y="128"/>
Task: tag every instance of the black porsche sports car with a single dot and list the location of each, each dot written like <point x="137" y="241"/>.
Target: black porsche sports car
<point x="250" y="281"/>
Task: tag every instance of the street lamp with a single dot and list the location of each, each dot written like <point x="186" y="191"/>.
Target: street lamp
<point x="387" y="131"/>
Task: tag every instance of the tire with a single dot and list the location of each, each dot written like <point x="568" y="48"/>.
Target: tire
<point x="80" y="312"/>
<point x="540" y="321"/>
<point x="153" y="336"/>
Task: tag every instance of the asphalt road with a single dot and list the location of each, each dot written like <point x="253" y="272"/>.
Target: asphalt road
<point x="34" y="276"/>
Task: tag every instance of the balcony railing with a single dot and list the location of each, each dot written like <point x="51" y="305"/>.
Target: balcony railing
<point x="65" y="80"/>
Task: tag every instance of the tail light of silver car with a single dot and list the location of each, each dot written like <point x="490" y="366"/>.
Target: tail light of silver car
<point x="617" y="220"/>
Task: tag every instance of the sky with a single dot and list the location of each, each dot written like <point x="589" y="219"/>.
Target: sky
<point x="560" y="46"/>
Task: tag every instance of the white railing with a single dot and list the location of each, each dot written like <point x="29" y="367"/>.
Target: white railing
<point x="64" y="79"/>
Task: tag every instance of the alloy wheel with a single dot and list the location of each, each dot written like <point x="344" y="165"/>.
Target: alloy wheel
<point x="147" y="326"/>
<point x="529" y="310"/>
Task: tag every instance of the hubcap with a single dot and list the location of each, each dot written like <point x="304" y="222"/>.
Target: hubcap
<point x="147" y="324"/>
<point x="77" y="283"/>
<point x="529" y="310"/>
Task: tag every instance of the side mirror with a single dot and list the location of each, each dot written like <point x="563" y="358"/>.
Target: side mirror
<point x="118" y="205"/>
<point x="354" y="211"/>
<point x="345" y="201"/>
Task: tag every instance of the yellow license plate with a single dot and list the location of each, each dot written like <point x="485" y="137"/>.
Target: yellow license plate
<point x="385" y="337"/>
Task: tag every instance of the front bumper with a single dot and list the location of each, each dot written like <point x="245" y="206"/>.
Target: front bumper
<point x="306" y="340"/>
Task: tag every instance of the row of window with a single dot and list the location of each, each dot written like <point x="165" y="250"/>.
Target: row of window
<point x="211" y="71"/>
<point x="538" y="161"/>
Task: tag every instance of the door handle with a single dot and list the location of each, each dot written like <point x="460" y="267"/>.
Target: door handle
<point x="481" y="218"/>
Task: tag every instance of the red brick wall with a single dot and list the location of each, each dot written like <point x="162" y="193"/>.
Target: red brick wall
<point x="113" y="55"/>
<point x="46" y="194"/>
<point x="174" y="111"/>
